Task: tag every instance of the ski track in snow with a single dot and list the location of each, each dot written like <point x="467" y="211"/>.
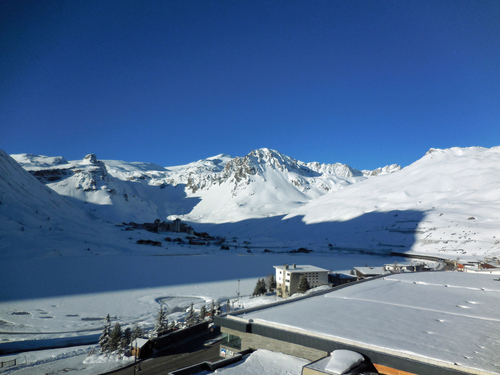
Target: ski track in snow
<point x="410" y="307"/>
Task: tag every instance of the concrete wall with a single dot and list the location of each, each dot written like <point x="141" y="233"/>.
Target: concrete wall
<point x="294" y="283"/>
<point x="310" y="371"/>
<point x="253" y="341"/>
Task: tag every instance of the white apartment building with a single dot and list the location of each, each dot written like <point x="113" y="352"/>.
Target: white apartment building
<point x="288" y="278"/>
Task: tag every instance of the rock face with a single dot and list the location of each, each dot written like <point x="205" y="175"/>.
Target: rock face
<point x="90" y="159"/>
<point x="93" y="176"/>
<point x="381" y="171"/>
<point x="51" y="175"/>
<point x="241" y="171"/>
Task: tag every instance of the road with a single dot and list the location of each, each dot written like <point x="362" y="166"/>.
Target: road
<point x="174" y="359"/>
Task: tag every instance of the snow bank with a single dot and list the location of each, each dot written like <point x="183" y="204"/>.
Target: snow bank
<point x="109" y="357"/>
<point x="264" y="361"/>
<point x="342" y="361"/>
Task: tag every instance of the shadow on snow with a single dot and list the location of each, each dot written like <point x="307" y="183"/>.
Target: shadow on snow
<point x="335" y="245"/>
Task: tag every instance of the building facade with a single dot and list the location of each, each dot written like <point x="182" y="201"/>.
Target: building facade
<point x="288" y="278"/>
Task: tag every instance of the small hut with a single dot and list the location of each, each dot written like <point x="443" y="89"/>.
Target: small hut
<point x="142" y="348"/>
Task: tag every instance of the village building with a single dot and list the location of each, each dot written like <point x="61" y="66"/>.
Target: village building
<point x="288" y="278"/>
<point x="142" y="348"/>
<point x="176" y="226"/>
<point x="158" y="226"/>
<point x="491" y="266"/>
<point x="366" y="272"/>
<point x="337" y="278"/>
<point x="405" y="267"/>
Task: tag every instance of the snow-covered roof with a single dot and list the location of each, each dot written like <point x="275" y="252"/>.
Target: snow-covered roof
<point x="371" y="270"/>
<point x="139" y="342"/>
<point x="448" y="318"/>
<point x="297" y="268"/>
<point x="493" y="263"/>
<point x="264" y="361"/>
<point x="341" y="275"/>
<point x="404" y="264"/>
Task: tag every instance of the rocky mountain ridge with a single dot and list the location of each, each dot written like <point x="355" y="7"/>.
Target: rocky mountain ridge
<point x="123" y="191"/>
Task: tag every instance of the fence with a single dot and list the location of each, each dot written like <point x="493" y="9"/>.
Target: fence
<point x="8" y="363"/>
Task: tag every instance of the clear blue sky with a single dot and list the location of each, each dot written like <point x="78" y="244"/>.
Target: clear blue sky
<point x="367" y="83"/>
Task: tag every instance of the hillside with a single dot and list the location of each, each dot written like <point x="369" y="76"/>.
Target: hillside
<point x="37" y="222"/>
<point x="456" y="191"/>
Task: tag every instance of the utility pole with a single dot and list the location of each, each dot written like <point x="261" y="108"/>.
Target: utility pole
<point x="238" y="292"/>
<point x="135" y="357"/>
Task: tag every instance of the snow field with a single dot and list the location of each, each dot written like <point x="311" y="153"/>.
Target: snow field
<point x="264" y="361"/>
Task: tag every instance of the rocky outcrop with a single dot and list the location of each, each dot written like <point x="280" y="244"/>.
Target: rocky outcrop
<point x="92" y="175"/>
<point x="384" y="170"/>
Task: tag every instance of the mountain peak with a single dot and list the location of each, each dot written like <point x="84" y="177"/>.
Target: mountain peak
<point x="38" y="161"/>
<point x="90" y="159"/>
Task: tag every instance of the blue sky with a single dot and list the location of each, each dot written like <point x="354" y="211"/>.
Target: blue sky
<point x="366" y="83"/>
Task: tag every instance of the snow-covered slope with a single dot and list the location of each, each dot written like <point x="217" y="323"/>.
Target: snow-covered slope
<point x="29" y="211"/>
<point x="457" y="192"/>
<point x="37" y="222"/>
<point x="115" y="191"/>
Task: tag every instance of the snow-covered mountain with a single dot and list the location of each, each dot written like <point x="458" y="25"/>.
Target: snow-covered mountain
<point x="110" y="190"/>
<point x="217" y="189"/>
<point x="261" y="184"/>
<point x="35" y="219"/>
<point x="446" y="203"/>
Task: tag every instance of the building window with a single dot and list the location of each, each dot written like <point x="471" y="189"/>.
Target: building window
<point x="231" y="341"/>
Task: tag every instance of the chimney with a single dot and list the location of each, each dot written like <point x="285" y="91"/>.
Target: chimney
<point x="294" y="265"/>
<point x="286" y="266"/>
